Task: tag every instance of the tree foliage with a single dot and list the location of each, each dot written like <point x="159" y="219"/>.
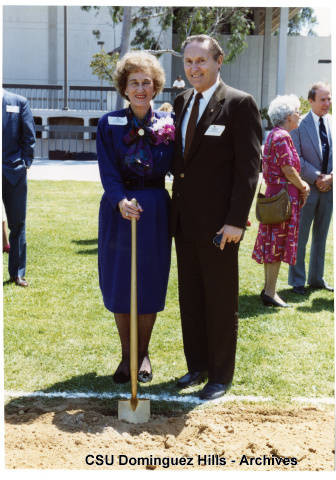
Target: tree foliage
<point x="215" y="21"/>
<point x="303" y="19"/>
<point x="185" y="21"/>
<point x="103" y="65"/>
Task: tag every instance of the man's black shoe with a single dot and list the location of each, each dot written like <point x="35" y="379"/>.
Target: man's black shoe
<point x="191" y="378"/>
<point x="20" y="281"/>
<point x="214" y="390"/>
<point x="300" y="290"/>
<point x="322" y="287"/>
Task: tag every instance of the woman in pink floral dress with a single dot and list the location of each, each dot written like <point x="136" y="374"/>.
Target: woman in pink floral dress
<point x="281" y="165"/>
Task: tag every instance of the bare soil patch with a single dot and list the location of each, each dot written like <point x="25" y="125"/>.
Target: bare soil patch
<point x="50" y="434"/>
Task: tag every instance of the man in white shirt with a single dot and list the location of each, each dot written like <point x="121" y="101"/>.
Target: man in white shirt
<point x="216" y="167"/>
<point x="179" y="82"/>
<point x="313" y="142"/>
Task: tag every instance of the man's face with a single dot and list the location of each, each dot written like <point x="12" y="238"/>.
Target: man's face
<point x="200" y="67"/>
<point x="322" y="102"/>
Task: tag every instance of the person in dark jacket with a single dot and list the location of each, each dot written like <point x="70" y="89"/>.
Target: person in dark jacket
<point x="216" y="167"/>
<point x="18" y="141"/>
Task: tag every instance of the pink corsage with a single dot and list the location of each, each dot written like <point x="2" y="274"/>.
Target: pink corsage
<point x="164" y="130"/>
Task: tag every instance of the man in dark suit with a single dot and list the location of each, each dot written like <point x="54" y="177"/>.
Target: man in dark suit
<point x="313" y="142"/>
<point x="18" y="141"/>
<point x="216" y="167"/>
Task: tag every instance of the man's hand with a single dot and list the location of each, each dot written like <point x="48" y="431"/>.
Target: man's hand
<point x="324" y="182"/>
<point x="230" y="234"/>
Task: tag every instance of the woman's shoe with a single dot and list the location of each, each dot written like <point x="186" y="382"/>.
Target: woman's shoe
<point x="145" y="376"/>
<point x="270" y="302"/>
<point x="120" y="376"/>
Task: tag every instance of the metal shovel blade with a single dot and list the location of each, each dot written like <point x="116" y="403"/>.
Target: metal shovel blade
<point x="134" y="410"/>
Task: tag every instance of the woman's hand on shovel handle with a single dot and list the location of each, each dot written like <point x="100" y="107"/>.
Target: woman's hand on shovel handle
<point x="128" y="210"/>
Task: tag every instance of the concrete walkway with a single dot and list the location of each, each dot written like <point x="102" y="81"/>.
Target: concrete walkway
<point x="64" y="170"/>
<point x="86" y="170"/>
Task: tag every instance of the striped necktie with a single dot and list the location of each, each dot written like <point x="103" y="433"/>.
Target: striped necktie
<point x="325" y="146"/>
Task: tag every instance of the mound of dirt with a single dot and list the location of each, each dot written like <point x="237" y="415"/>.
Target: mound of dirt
<point x="86" y="434"/>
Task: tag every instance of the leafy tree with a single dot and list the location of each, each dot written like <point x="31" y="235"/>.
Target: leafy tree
<point x="303" y="19"/>
<point x="103" y="65"/>
<point x="215" y="21"/>
<point x="185" y="21"/>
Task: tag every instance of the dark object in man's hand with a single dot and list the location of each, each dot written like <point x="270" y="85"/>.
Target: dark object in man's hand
<point x="217" y="239"/>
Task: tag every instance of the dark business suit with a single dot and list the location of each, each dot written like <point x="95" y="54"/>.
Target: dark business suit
<point x="214" y="185"/>
<point x="18" y="141"/>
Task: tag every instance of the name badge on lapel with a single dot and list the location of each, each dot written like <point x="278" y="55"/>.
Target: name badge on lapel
<point x="215" y="130"/>
<point x="13" y="108"/>
<point x="117" y="120"/>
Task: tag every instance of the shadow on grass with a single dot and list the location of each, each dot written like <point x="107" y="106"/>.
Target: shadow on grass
<point x="251" y="305"/>
<point x="87" y="242"/>
<point x="318" y="305"/>
<point x="81" y="414"/>
<point x="92" y="241"/>
<point x="88" y="252"/>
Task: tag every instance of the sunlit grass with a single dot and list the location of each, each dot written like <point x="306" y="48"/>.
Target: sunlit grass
<point x="59" y="336"/>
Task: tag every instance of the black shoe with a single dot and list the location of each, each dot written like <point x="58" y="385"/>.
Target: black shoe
<point x="322" y="287"/>
<point x="19" y="281"/>
<point x="262" y="293"/>
<point x="145" y="377"/>
<point x="120" y="376"/>
<point x="299" y="290"/>
<point x="191" y="378"/>
<point x="270" y="302"/>
<point x="213" y="390"/>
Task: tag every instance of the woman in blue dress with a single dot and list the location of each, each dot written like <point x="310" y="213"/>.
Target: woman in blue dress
<point x="135" y="148"/>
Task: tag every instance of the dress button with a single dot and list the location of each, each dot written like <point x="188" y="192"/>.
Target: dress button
<point x="182" y="175"/>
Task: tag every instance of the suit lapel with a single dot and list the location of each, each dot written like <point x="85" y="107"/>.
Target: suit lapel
<point x="329" y="127"/>
<point x="186" y="100"/>
<point x="310" y="126"/>
<point x="4" y="112"/>
<point x="209" y="115"/>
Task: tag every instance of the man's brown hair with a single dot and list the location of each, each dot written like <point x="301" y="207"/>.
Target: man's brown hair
<point x="315" y="87"/>
<point x="215" y="48"/>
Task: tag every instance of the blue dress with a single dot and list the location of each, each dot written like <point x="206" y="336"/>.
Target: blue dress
<point x="114" y="238"/>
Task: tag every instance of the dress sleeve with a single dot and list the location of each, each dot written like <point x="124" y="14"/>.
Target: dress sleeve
<point x="109" y="172"/>
<point x="284" y="151"/>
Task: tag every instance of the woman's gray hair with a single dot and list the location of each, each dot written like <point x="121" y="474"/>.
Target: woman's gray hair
<point x="281" y="107"/>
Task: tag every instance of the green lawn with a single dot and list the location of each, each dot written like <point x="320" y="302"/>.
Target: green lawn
<point x="59" y="336"/>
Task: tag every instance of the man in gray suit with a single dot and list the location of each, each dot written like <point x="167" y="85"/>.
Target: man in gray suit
<point x="313" y="142"/>
<point x="18" y="141"/>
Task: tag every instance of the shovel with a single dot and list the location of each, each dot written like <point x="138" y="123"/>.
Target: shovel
<point x="134" y="410"/>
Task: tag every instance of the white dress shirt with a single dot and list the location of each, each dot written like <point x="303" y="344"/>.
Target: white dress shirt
<point x="206" y="95"/>
<point x="316" y="119"/>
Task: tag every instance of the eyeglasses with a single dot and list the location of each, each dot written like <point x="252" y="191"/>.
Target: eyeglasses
<point x="144" y="84"/>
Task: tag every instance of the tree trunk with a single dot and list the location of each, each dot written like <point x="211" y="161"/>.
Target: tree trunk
<point x="125" y="41"/>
